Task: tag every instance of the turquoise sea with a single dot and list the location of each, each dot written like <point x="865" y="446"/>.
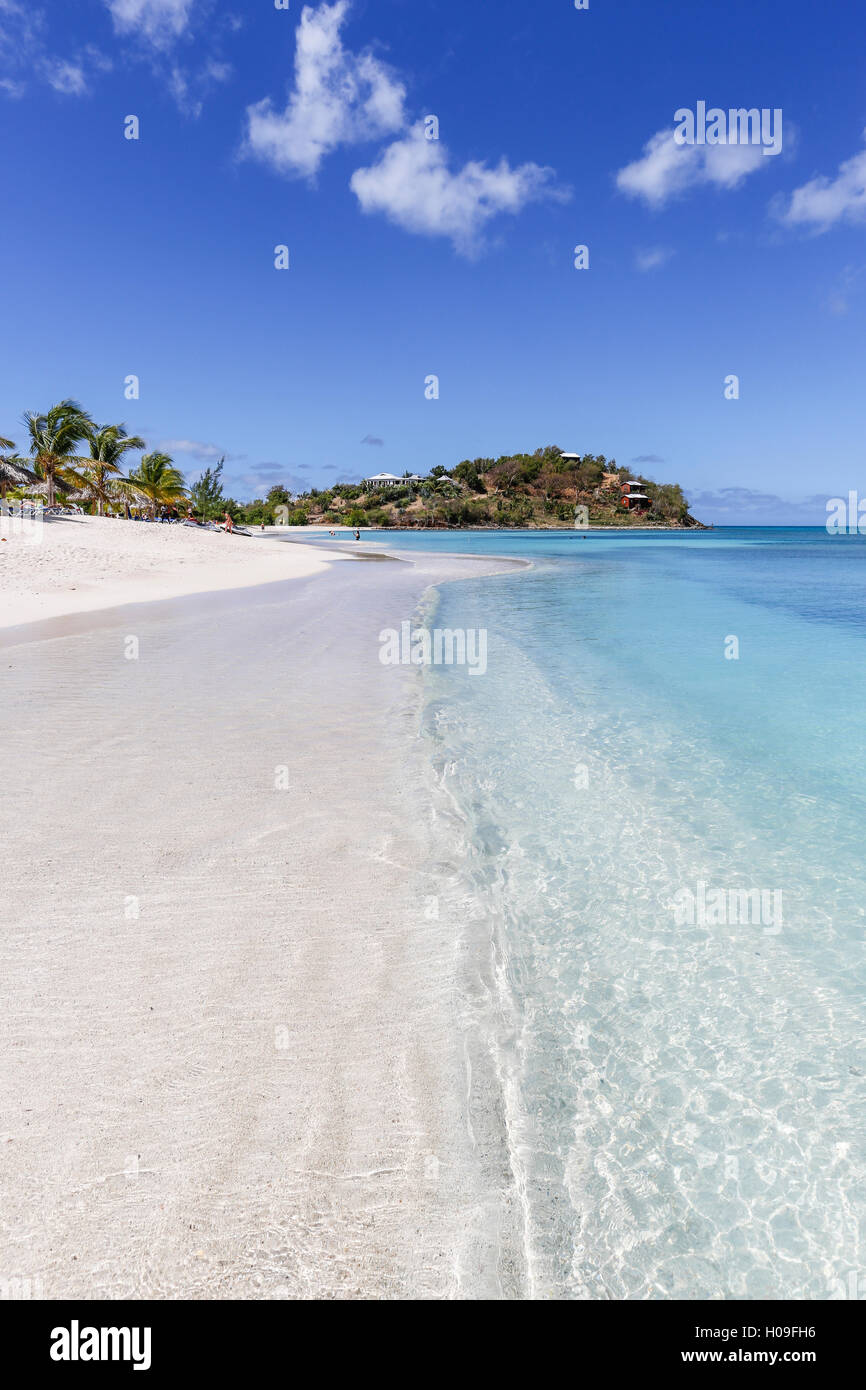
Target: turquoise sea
<point x="663" y="717"/>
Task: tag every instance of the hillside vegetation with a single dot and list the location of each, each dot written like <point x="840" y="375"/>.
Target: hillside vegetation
<point x="542" y="489"/>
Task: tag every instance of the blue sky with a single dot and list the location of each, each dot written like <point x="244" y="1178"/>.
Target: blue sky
<point x="412" y="257"/>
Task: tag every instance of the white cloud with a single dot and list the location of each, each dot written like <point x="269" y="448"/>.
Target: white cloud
<point x="24" y="55"/>
<point x="823" y="201"/>
<point x="343" y="98"/>
<point x="195" y="448"/>
<point x="189" y="88"/>
<point x="667" y="169"/>
<point x="732" y="506"/>
<point x="20" y="45"/>
<point x="218" y="71"/>
<point x="339" y="98"/>
<point x="652" y="258"/>
<point x="259" y="481"/>
<point x="160" y="21"/>
<point x="65" y="77"/>
<point x="17" y="25"/>
<point x="413" y="186"/>
<point x="848" y="286"/>
<point x="157" y="29"/>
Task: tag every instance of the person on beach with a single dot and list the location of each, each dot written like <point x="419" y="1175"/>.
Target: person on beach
<point x="229" y="527"/>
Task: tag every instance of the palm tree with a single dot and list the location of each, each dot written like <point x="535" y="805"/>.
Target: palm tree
<point x="108" y="444"/>
<point x="53" y="437"/>
<point x="157" y="479"/>
<point x="444" y="487"/>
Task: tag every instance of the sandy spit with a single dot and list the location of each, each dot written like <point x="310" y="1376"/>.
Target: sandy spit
<point x="82" y="564"/>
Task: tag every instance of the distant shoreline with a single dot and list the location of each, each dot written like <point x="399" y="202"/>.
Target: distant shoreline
<point x="318" y="526"/>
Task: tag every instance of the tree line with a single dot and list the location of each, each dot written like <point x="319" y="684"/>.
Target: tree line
<point x="542" y="488"/>
<point x="55" y="469"/>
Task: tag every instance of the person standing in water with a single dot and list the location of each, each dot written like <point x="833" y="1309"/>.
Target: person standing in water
<point x="357" y="534"/>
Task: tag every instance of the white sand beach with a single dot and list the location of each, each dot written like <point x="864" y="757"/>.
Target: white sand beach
<point x="234" y="1059"/>
<point x="78" y="564"/>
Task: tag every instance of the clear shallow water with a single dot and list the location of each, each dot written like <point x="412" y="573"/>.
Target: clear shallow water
<point x="684" y="1101"/>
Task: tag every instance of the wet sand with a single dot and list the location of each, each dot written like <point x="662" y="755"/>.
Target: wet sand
<point x="233" y="1058"/>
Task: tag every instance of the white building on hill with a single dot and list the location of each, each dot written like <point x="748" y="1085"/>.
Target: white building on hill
<point x="390" y="480"/>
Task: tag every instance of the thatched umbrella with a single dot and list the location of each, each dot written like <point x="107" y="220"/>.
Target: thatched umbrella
<point x="118" y="494"/>
<point x="40" y="487"/>
<point x="15" y="473"/>
<point x="81" y="497"/>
